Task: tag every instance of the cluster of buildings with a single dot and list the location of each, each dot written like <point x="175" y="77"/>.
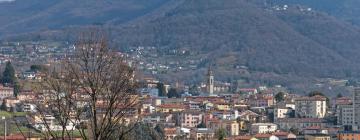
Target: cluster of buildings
<point x="249" y="114"/>
<point x="252" y="114"/>
<point x="27" y="52"/>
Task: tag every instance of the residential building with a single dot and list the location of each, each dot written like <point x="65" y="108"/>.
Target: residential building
<point x="6" y="92"/>
<point x="317" y="137"/>
<point x="202" y="134"/>
<point x="170" y="133"/>
<point x="310" y="107"/>
<point x="157" y="118"/>
<point x="191" y="118"/>
<point x="168" y="108"/>
<point x="262" y="128"/>
<point x="29" y="107"/>
<point x="349" y="135"/>
<point x="300" y="123"/>
<point x="232" y="127"/>
<point x="344" y="114"/>
<point x="266" y="137"/>
<point x="285" y="135"/>
<point x="282" y="112"/>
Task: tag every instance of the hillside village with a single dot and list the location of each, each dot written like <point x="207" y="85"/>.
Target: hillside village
<point x="179" y="70"/>
<point x="264" y="113"/>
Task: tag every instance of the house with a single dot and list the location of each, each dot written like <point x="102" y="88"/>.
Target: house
<point x="262" y="128"/>
<point x="261" y="101"/>
<point x="170" y="133"/>
<point x="28" y="107"/>
<point x="317" y="137"/>
<point x="248" y="91"/>
<point x="167" y="108"/>
<point x="300" y="123"/>
<point x="11" y="103"/>
<point x="311" y="107"/>
<point x="249" y="116"/>
<point x="281" y="112"/>
<point x="191" y="118"/>
<point x="241" y="138"/>
<point x="202" y="134"/>
<point x="349" y="135"/>
<point x="29" y="75"/>
<point x="285" y="135"/>
<point x="222" y="106"/>
<point x="266" y="137"/>
<point x="157" y="118"/>
<point x="26" y="96"/>
<point x="6" y="92"/>
<point x="315" y="130"/>
<point x="232" y="127"/>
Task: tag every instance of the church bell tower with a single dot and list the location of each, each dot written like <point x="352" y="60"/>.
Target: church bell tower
<point x="210" y="81"/>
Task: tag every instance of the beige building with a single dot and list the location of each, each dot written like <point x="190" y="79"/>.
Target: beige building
<point x="281" y="112"/>
<point x="5" y="92"/>
<point x="232" y="127"/>
<point x="202" y="134"/>
<point x="263" y="128"/>
<point x="191" y="118"/>
<point x="310" y="107"/>
<point x="317" y="137"/>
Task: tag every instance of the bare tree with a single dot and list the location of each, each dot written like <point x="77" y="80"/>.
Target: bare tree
<point x="92" y="92"/>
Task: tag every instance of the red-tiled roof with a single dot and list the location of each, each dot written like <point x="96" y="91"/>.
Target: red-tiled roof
<point x="263" y="135"/>
<point x="178" y="106"/>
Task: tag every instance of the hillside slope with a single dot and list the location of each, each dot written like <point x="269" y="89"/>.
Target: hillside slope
<point x="347" y="10"/>
<point x="226" y="33"/>
<point x="262" y="40"/>
<point x="23" y="16"/>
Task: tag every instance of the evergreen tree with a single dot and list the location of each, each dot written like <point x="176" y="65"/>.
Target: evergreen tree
<point x="8" y="74"/>
<point x="220" y="134"/>
<point x="173" y="93"/>
<point x="339" y="95"/>
<point x="17" y="88"/>
<point x="160" y="130"/>
<point x="38" y="68"/>
<point x="201" y="125"/>
<point x="280" y="97"/>
<point x="161" y="89"/>
<point x="3" y="106"/>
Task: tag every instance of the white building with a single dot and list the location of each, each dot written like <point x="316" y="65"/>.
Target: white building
<point x="29" y="108"/>
<point x="281" y="112"/>
<point x="262" y="128"/>
<point x="310" y="107"/>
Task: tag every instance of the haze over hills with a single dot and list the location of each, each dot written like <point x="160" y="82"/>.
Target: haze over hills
<point x="23" y="16"/>
<point x="227" y="33"/>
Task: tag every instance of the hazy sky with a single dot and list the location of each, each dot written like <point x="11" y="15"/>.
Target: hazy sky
<point x="6" y="0"/>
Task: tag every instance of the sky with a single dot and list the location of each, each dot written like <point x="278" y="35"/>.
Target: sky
<point x="6" y="0"/>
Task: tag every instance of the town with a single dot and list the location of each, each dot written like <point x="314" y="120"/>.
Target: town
<point x="208" y="111"/>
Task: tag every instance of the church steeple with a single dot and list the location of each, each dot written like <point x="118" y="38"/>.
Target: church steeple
<point x="210" y="81"/>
